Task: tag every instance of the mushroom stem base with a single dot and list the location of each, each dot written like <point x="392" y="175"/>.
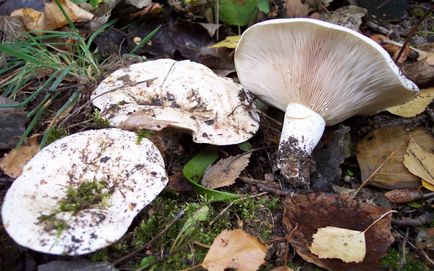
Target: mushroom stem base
<point x="302" y="130"/>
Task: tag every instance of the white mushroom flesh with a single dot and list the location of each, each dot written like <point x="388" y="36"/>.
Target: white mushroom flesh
<point x="181" y="94"/>
<point x="133" y="173"/>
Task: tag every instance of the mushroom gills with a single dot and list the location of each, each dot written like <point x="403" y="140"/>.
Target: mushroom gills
<point x="301" y="132"/>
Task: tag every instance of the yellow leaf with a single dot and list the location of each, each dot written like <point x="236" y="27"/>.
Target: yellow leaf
<point x="229" y="42"/>
<point x="52" y="17"/>
<point x="338" y="243"/>
<point x="419" y="161"/>
<point x="427" y="185"/>
<point x="13" y="162"/>
<point x="235" y="249"/>
<point x="415" y="106"/>
<point x="226" y="171"/>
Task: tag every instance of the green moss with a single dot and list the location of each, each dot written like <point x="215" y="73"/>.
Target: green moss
<point x="392" y="261"/>
<point x="99" y="121"/>
<point x="179" y="247"/>
<point x="86" y="195"/>
<point x="143" y="133"/>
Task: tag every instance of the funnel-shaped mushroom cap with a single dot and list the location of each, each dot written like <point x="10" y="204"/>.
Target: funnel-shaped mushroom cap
<point x="333" y="70"/>
<point x="81" y="193"/>
<point x="182" y="94"/>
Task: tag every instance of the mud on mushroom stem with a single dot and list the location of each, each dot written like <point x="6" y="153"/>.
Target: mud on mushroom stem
<point x="301" y="132"/>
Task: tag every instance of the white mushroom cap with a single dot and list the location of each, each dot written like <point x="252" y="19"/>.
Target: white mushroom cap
<point x="181" y="94"/>
<point x="319" y="74"/>
<point x="333" y="70"/>
<point x="134" y="175"/>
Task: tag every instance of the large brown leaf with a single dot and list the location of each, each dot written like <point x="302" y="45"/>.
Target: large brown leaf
<point x="307" y="213"/>
<point x="376" y="147"/>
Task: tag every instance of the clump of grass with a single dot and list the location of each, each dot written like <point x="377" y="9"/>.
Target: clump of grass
<point x="143" y="133"/>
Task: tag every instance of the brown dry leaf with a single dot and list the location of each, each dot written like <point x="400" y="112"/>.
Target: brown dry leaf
<point x="295" y="8"/>
<point x="226" y="171"/>
<point x="420" y="161"/>
<point x="338" y="243"/>
<point x="140" y="120"/>
<point x="421" y="72"/>
<point x="235" y="249"/>
<point x="380" y="144"/>
<point x="414" y="107"/>
<point x="309" y="212"/>
<point x="52" y="17"/>
<point x="403" y="195"/>
<point x="13" y="162"/>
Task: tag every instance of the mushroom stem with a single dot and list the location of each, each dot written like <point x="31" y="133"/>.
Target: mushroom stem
<point x="302" y="130"/>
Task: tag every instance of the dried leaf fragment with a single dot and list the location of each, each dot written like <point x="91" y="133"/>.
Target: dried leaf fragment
<point x="52" y="17"/>
<point x="235" y="249"/>
<point x="13" y="162"/>
<point x="419" y="161"/>
<point x="338" y="243"/>
<point x="415" y="106"/>
<point x="226" y="171"/>
<point x="295" y="8"/>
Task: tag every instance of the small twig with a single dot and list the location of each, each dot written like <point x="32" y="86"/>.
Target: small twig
<point x="412" y="32"/>
<point x="265" y="186"/>
<point x="415" y="222"/>
<point x="378" y="219"/>
<point x="404" y="245"/>
<point x="426" y="256"/>
<point x="129" y="255"/>
<point x="373" y="174"/>
<point x="288" y="240"/>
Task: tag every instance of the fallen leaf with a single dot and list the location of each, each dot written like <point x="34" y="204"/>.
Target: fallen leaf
<point x="338" y="243"/>
<point x="328" y="156"/>
<point x="348" y="16"/>
<point x="304" y="214"/>
<point x="403" y="195"/>
<point x="13" y="162"/>
<point x="235" y="12"/>
<point x="374" y="148"/>
<point x="12" y="121"/>
<point x="229" y="42"/>
<point x="295" y="8"/>
<point x="420" y="72"/>
<point x="52" y="17"/>
<point x="235" y="249"/>
<point x="226" y="171"/>
<point x="427" y="185"/>
<point x="425" y="239"/>
<point x="419" y="161"/>
<point x="415" y="106"/>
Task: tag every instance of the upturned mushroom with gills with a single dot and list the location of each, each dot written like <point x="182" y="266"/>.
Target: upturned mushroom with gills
<point x="320" y="74"/>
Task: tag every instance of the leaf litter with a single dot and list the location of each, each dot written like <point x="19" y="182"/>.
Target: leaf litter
<point x="225" y="171"/>
<point x="374" y="148"/>
<point x="235" y="249"/>
<point x="306" y="213"/>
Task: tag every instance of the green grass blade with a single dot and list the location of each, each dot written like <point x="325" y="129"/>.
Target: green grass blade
<point x="145" y="40"/>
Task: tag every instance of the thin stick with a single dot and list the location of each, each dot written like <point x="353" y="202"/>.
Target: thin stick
<point x="378" y="219"/>
<point x="373" y="174"/>
<point x="412" y="32"/>
<point x="129" y="255"/>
